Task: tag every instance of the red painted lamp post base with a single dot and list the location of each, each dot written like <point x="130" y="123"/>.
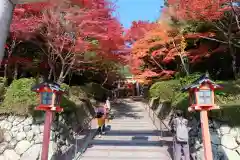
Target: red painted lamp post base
<point x="46" y="135"/>
<point x="206" y="135"/>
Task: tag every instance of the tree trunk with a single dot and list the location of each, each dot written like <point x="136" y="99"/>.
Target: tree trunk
<point x="159" y="65"/>
<point x="15" y="74"/>
<point x="181" y="58"/>
<point x="50" y="74"/>
<point x="105" y="80"/>
<point x="184" y="65"/>
<point x="5" y="70"/>
<point x="64" y="72"/>
<point x="60" y="78"/>
<point x="232" y="53"/>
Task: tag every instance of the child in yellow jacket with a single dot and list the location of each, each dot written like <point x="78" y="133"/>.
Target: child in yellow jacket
<point x="101" y="117"/>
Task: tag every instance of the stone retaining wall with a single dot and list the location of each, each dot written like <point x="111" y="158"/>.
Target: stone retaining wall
<point x="21" y="137"/>
<point x="225" y="138"/>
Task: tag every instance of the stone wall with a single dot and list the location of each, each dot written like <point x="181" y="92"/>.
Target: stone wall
<point x="21" y="136"/>
<point x="225" y="140"/>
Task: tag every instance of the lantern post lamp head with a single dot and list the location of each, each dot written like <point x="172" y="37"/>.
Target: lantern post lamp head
<point x="50" y="96"/>
<point x="201" y="94"/>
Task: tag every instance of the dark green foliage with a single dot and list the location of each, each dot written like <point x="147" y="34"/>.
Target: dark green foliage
<point x="125" y="71"/>
<point x="19" y="98"/>
<point x="228" y="98"/>
<point x="196" y="27"/>
<point x="76" y="101"/>
<point x="96" y="91"/>
<point x="165" y="90"/>
<point x="72" y="96"/>
<point x="2" y="88"/>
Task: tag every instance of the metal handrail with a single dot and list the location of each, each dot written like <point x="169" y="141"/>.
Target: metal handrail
<point x="154" y="116"/>
<point x="85" y="125"/>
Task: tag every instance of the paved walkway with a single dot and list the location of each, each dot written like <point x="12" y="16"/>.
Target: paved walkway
<point x="131" y="135"/>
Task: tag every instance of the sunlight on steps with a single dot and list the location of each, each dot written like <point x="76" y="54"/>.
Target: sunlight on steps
<point x="131" y="135"/>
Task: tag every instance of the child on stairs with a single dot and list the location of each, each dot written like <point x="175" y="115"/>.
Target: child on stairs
<point x="101" y="116"/>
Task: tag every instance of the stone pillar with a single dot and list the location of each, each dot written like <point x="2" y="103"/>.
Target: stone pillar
<point x="6" y="9"/>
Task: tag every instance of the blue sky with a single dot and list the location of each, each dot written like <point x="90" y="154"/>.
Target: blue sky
<point x="133" y="10"/>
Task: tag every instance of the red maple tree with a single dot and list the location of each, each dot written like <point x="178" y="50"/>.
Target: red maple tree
<point x="138" y="30"/>
<point x="161" y="46"/>
<point x="69" y="31"/>
<point x="200" y="9"/>
<point x="223" y="15"/>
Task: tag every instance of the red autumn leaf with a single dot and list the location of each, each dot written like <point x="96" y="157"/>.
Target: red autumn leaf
<point x="148" y="73"/>
<point x="138" y="31"/>
<point x="199" y="9"/>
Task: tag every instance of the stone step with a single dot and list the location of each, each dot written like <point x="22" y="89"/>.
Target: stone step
<point x="145" y="120"/>
<point x="130" y="127"/>
<point x="126" y="111"/>
<point x="129" y="148"/>
<point x="129" y="132"/>
<point x="132" y="120"/>
<point x="124" y="155"/>
<point x="135" y="120"/>
<point x="125" y="143"/>
<point x="130" y="135"/>
<point x="130" y="116"/>
<point x="129" y="123"/>
<point x="150" y="126"/>
<point x="128" y="138"/>
<point x="119" y="158"/>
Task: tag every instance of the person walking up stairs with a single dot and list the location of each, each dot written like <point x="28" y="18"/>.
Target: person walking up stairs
<point x="179" y="126"/>
<point x="101" y="117"/>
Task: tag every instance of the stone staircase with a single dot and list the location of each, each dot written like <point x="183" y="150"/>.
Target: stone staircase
<point x="131" y="135"/>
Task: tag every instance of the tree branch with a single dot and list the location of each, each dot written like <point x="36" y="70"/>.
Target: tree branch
<point x="159" y="65"/>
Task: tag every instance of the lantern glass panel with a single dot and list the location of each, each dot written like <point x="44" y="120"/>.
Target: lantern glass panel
<point x="204" y="96"/>
<point x="46" y="98"/>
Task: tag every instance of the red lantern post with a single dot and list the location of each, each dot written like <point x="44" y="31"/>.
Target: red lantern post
<point x="201" y="97"/>
<point x="50" y="98"/>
